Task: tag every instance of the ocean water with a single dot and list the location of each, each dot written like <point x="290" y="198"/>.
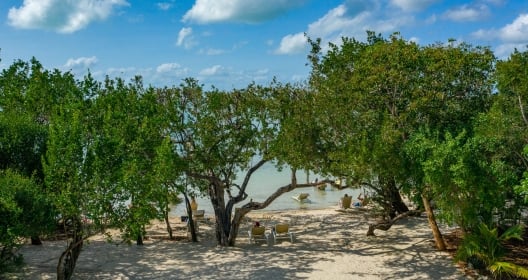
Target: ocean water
<point x="267" y="180"/>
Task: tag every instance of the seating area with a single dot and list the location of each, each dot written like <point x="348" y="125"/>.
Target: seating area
<point x="281" y="231"/>
<point x="278" y="231"/>
<point x="257" y="233"/>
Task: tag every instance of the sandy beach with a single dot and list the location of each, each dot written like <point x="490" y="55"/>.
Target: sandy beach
<point x="328" y="244"/>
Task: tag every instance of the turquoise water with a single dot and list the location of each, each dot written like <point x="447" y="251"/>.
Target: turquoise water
<point x="267" y="179"/>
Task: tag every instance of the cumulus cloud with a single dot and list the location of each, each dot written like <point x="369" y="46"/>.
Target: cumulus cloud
<point x="63" y="16"/>
<point x="207" y="11"/>
<point x="467" y="13"/>
<point x="351" y="19"/>
<point x="185" y="38"/>
<point x="513" y="35"/>
<point x="412" y="5"/>
<point x="290" y="44"/>
<point x="517" y="31"/>
<point x="171" y="69"/>
<point x="213" y="71"/>
<point x="80" y="62"/>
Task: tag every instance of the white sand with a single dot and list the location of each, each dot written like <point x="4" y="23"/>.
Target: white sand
<point x="328" y="245"/>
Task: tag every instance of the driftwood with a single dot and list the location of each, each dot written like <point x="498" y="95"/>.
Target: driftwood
<point x="388" y="224"/>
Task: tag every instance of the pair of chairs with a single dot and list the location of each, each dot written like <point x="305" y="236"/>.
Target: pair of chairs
<point x="279" y="231"/>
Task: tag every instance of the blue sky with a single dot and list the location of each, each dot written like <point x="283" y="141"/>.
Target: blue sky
<point x="231" y="43"/>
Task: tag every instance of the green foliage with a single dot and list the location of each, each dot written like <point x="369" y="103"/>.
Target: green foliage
<point x="22" y="143"/>
<point x="485" y="247"/>
<point x="375" y="96"/>
<point x="24" y="212"/>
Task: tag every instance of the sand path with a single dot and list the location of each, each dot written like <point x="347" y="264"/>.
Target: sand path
<point x="328" y="245"/>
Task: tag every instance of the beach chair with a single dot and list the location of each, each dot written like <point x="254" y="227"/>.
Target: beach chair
<point x="282" y="231"/>
<point x="345" y="202"/>
<point x="257" y="233"/>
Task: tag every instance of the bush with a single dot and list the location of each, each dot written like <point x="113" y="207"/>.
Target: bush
<point x="484" y="248"/>
<point x="24" y="212"/>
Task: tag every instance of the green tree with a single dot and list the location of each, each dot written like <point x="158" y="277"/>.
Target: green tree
<point x="219" y="135"/>
<point x="24" y="212"/>
<point x="504" y="127"/>
<point x="379" y="94"/>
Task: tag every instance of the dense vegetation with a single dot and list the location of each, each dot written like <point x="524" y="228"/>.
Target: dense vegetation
<point x="443" y="124"/>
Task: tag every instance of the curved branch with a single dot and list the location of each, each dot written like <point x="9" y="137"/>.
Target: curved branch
<point x="387" y="225"/>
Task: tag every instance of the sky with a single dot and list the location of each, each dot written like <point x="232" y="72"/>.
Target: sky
<point x="231" y="43"/>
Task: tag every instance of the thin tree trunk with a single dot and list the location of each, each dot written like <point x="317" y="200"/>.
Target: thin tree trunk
<point x="68" y="258"/>
<point x="439" y="240"/>
<point x="35" y="240"/>
<point x="192" y="229"/>
<point x="139" y="240"/>
<point x="167" y="222"/>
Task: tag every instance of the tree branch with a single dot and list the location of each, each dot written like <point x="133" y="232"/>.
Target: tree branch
<point x="387" y="225"/>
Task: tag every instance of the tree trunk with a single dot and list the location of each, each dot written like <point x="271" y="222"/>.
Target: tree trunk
<point x="235" y="226"/>
<point x="398" y="205"/>
<point x="190" y="221"/>
<point x="35" y="240"/>
<point x="439" y="240"/>
<point x="68" y="258"/>
<point x="393" y="201"/>
<point x="139" y="240"/>
<point x="167" y="222"/>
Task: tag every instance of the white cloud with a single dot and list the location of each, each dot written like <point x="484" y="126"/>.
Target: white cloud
<point x="334" y="21"/>
<point x="517" y="31"/>
<point x="164" y="5"/>
<point x="185" y="38"/>
<point x="351" y="19"/>
<point x="290" y="44"/>
<point x="415" y="40"/>
<point x="412" y="5"/>
<point x="467" y="13"/>
<point x="171" y="69"/>
<point x="213" y="71"/>
<point x="511" y="36"/>
<point x="80" y="62"/>
<point x="63" y="16"/>
<point x="503" y="51"/>
<point x="206" y="11"/>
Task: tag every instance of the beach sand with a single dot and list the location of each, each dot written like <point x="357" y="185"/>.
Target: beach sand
<point x="328" y="244"/>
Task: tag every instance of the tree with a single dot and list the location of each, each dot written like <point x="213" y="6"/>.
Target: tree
<point x="27" y="94"/>
<point x="381" y="94"/>
<point x="67" y="181"/>
<point x="99" y="162"/>
<point x="504" y="127"/>
<point x="24" y="212"/>
<point x="366" y="89"/>
<point x="221" y="134"/>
